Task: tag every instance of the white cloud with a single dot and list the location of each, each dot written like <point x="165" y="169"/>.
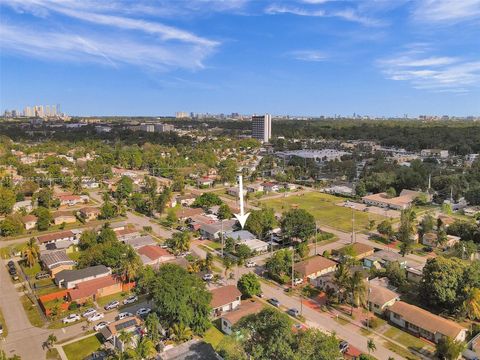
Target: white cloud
<point x="308" y="55"/>
<point x="448" y="11"/>
<point x="113" y="39"/>
<point x="438" y="73"/>
<point x="349" y="14"/>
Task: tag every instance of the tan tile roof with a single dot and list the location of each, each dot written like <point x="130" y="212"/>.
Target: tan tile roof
<point x="55" y="236"/>
<point x="246" y="308"/>
<point x="426" y="320"/>
<point x="313" y="265"/>
<point x="29" y="218"/>
<point x="381" y="295"/>
<point x="224" y="295"/>
<point x="153" y="252"/>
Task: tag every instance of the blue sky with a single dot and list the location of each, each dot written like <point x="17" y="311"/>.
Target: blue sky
<point x="306" y="57"/>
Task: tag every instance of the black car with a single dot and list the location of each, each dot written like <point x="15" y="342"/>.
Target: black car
<point x="11" y="264"/>
<point x="343" y="346"/>
<point x="12" y="271"/>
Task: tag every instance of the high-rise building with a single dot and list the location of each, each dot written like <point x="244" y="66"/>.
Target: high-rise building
<point x="161" y="128"/>
<point x="181" y="115"/>
<point x="262" y="127"/>
<point x="147" y="127"/>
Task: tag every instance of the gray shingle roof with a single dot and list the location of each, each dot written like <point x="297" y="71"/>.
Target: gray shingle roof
<point x="53" y="259"/>
<point x="73" y="275"/>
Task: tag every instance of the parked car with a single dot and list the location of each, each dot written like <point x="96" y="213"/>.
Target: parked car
<point x="297" y="281"/>
<point x="293" y="312"/>
<point x="250" y="264"/>
<point x="11" y="264"/>
<point x="207" y="277"/>
<point x="343" y="346"/>
<point x="123" y="315"/>
<point x="274" y="302"/>
<point x="112" y="305"/>
<point x="42" y="275"/>
<point x="143" y="311"/>
<point x="100" y="325"/>
<point x="130" y="300"/>
<point x="71" y="318"/>
<point x="95" y="317"/>
<point x="89" y="312"/>
<point x="12" y="271"/>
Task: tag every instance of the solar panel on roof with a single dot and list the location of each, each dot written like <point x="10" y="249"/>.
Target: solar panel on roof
<point x="126" y="324"/>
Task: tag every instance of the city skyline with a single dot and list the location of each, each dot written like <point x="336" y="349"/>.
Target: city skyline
<point x="304" y="57"/>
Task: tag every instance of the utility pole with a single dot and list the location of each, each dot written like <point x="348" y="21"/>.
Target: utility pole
<point x="316" y="237"/>
<point x="221" y="234"/>
<point x="293" y="267"/>
<point x="353" y="226"/>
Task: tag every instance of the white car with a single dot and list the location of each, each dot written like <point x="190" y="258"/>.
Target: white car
<point x="297" y="281"/>
<point x="96" y="317"/>
<point x="207" y="277"/>
<point x="143" y="311"/>
<point x="100" y="325"/>
<point x="250" y="264"/>
<point x="123" y="315"/>
<point x="89" y="313"/>
<point x="71" y="318"/>
<point x="130" y="300"/>
<point x="112" y="305"/>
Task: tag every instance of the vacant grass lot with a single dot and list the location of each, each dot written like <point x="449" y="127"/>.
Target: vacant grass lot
<point x="79" y="350"/>
<point x="325" y="210"/>
<point x="32" y="311"/>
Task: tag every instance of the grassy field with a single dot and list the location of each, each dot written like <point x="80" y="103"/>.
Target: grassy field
<point x="4" y="326"/>
<point x="406" y="339"/>
<point x="81" y="349"/>
<point x="213" y="336"/>
<point x="33" y="313"/>
<point x="325" y="210"/>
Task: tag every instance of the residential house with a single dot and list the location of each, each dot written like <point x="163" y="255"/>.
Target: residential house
<point x="289" y="186"/>
<point x="63" y="217"/>
<point x="423" y="323"/>
<point x="225" y="299"/>
<point x="56" y="261"/>
<point x="255" y="187"/>
<point x="191" y="350"/>
<point x="58" y="236"/>
<point x="24" y="204"/>
<point x="186" y="200"/>
<point x="205" y="182"/>
<point x="187" y="213"/>
<point x="229" y="319"/>
<point x="247" y="238"/>
<point x="380" y="298"/>
<point x="270" y="186"/>
<point x="311" y="269"/>
<point x="154" y="255"/>
<point x="213" y="231"/>
<point x="138" y="242"/>
<point x="415" y="272"/>
<point x="234" y="191"/>
<point x="382" y="258"/>
<point x="401" y="202"/>
<point x="29" y="221"/>
<point x="89" y="213"/>
<point x="358" y="250"/>
<point x="434" y="153"/>
<point x="70" y="278"/>
<point x="70" y="200"/>
<point x="90" y="184"/>
<point x="129" y="325"/>
<point x="431" y="239"/>
<point x="126" y="234"/>
<point x="96" y="288"/>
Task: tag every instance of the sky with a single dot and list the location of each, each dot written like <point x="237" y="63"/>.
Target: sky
<point x="297" y="57"/>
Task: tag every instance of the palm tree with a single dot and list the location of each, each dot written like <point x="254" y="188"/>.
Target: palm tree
<point x="180" y="242"/>
<point x="154" y="328"/>
<point x="130" y="265"/>
<point x="30" y="252"/>
<point x="194" y="267"/>
<point x="341" y="277"/>
<point x="180" y="332"/>
<point x="125" y="338"/>
<point x="471" y="304"/>
<point x="52" y="339"/>
<point x="77" y="186"/>
<point x="357" y="289"/>
<point x="371" y="347"/>
<point x="145" y="349"/>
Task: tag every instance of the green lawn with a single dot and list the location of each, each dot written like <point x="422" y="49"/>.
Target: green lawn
<point x="325" y="210"/>
<point x="52" y="354"/>
<point x="213" y="336"/>
<point x="4" y="325"/>
<point x="106" y="299"/>
<point x="74" y="255"/>
<point x="400" y="351"/>
<point x="81" y="349"/>
<point x="406" y="339"/>
<point x="6" y="252"/>
<point x="32" y="311"/>
<point x="31" y="271"/>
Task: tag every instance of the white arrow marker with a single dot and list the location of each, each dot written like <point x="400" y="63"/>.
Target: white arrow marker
<point x="242" y="217"/>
